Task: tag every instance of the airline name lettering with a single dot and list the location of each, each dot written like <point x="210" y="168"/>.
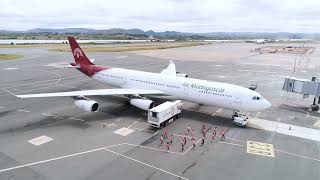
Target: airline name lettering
<point x="207" y="88"/>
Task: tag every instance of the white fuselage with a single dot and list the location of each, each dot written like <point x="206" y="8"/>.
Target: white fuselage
<point x="194" y="90"/>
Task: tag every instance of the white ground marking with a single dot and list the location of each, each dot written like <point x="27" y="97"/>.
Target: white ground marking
<point x="221" y="76"/>
<point x="46" y="114"/>
<point x="156" y="149"/>
<point x="259" y="148"/>
<point x="121" y="57"/>
<point x="298" y="155"/>
<point x="57" y="158"/>
<point x="155" y="133"/>
<point x="167" y="172"/>
<point x="23" y="110"/>
<point x="77" y="119"/>
<point x="257" y="71"/>
<point x="258" y="64"/>
<point x="40" y="140"/>
<point x="148" y="130"/>
<point x="13" y="68"/>
<point x="8" y="91"/>
<point x="317" y="124"/>
<point x="124" y="131"/>
<point x="182" y="135"/>
<point x="1" y="107"/>
<point x="218" y="65"/>
<point x="287" y="129"/>
<point x="219" y="110"/>
<point x="233" y="144"/>
<point x="132" y="124"/>
<point x="191" y="147"/>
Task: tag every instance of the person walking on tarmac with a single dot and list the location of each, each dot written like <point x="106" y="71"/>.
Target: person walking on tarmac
<point x="185" y="140"/>
<point x="193" y="143"/>
<point x="193" y="133"/>
<point x="212" y="136"/>
<point x="222" y="135"/>
<point x="168" y="145"/>
<point x="165" y="134"/>
<point x="182" y="145"/>
<point x="171" y="139"/>
<point x="202" y="139"/>
<point x="188" y="129"/>
<point x="161" y="140"/>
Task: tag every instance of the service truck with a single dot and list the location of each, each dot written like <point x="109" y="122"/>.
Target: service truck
<point x="164" y="114"/>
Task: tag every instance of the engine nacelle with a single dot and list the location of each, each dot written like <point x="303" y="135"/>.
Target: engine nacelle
<point x="181" y="74"/>
<point x="144" y="104"/>
<point x="87" y="105"/>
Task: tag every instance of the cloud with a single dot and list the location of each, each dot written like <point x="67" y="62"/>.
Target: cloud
<point x="162" y="15"/>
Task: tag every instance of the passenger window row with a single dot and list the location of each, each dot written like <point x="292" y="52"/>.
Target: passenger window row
<point x="216" y="94"/>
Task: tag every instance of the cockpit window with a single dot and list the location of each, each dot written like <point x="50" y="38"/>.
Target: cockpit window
<point x="256" y="98"/>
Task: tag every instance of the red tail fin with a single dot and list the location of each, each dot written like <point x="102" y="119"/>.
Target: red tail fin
<point x="78" y="54"/>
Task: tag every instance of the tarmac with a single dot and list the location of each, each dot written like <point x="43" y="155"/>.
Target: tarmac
<point x="50" y="138"/>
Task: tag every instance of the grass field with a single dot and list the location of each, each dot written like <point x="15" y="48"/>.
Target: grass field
<point x="9" y="56"/>
<point x="109" y="47"/>
<point x="136" y="47"/>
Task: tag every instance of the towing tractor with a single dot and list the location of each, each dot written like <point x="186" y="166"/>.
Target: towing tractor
<point x="164" y="114"/>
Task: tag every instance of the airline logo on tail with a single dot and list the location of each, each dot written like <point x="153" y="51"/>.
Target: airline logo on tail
<point x="77" y="53"/>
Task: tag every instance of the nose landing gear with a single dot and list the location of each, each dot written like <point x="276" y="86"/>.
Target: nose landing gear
<point x="239" y="119"/>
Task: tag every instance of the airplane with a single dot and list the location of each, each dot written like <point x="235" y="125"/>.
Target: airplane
<point x="138" y="85"/>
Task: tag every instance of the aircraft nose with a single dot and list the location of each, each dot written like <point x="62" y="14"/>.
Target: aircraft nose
<point x="266" y="104"/>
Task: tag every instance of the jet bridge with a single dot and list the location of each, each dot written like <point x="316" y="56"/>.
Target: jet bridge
<point x="304" y="86"/>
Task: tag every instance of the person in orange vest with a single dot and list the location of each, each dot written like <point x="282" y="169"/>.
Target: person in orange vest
<point x="161" y="140"/>
<point x="193" y="143"/>
<point x="193" y="133"/>
<point x="171" y="139"/>
<point x="165" y="134"/>
<point x="222" y="135"/>
<point x="168" y="145"/>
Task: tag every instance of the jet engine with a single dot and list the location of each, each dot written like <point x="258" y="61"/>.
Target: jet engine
<point x="144" y="104"/>
<point x="87" y="105"/>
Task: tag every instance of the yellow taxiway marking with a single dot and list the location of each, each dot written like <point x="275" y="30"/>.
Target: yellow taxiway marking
<point x="317" y="124"/>
<point x="259" y="148"/>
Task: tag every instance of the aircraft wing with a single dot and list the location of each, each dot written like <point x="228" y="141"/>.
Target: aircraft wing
<point x="98" y="92"/>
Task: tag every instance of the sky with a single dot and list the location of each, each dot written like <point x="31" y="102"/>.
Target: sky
<point x="197" y="16"/>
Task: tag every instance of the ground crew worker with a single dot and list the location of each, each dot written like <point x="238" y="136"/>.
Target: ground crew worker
<point x="168" y="145"/>
<point x="171" y="139"/>
<point x="212" y="136"/>
<point x="185" y="139"/>
<point x="161" y="140"/>
<point x="165" y="134"/>
<point x="222" y="135"/>
<point x="193" y="133"/>
<point x="182" y="145"/>
<point x="188" y="128"/>
<point x="193" y="143"/>
<point x="215" y="131"/>
<point x="202" y="140"/>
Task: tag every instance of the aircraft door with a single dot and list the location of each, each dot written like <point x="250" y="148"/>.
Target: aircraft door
<point x="237" y="102"/>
